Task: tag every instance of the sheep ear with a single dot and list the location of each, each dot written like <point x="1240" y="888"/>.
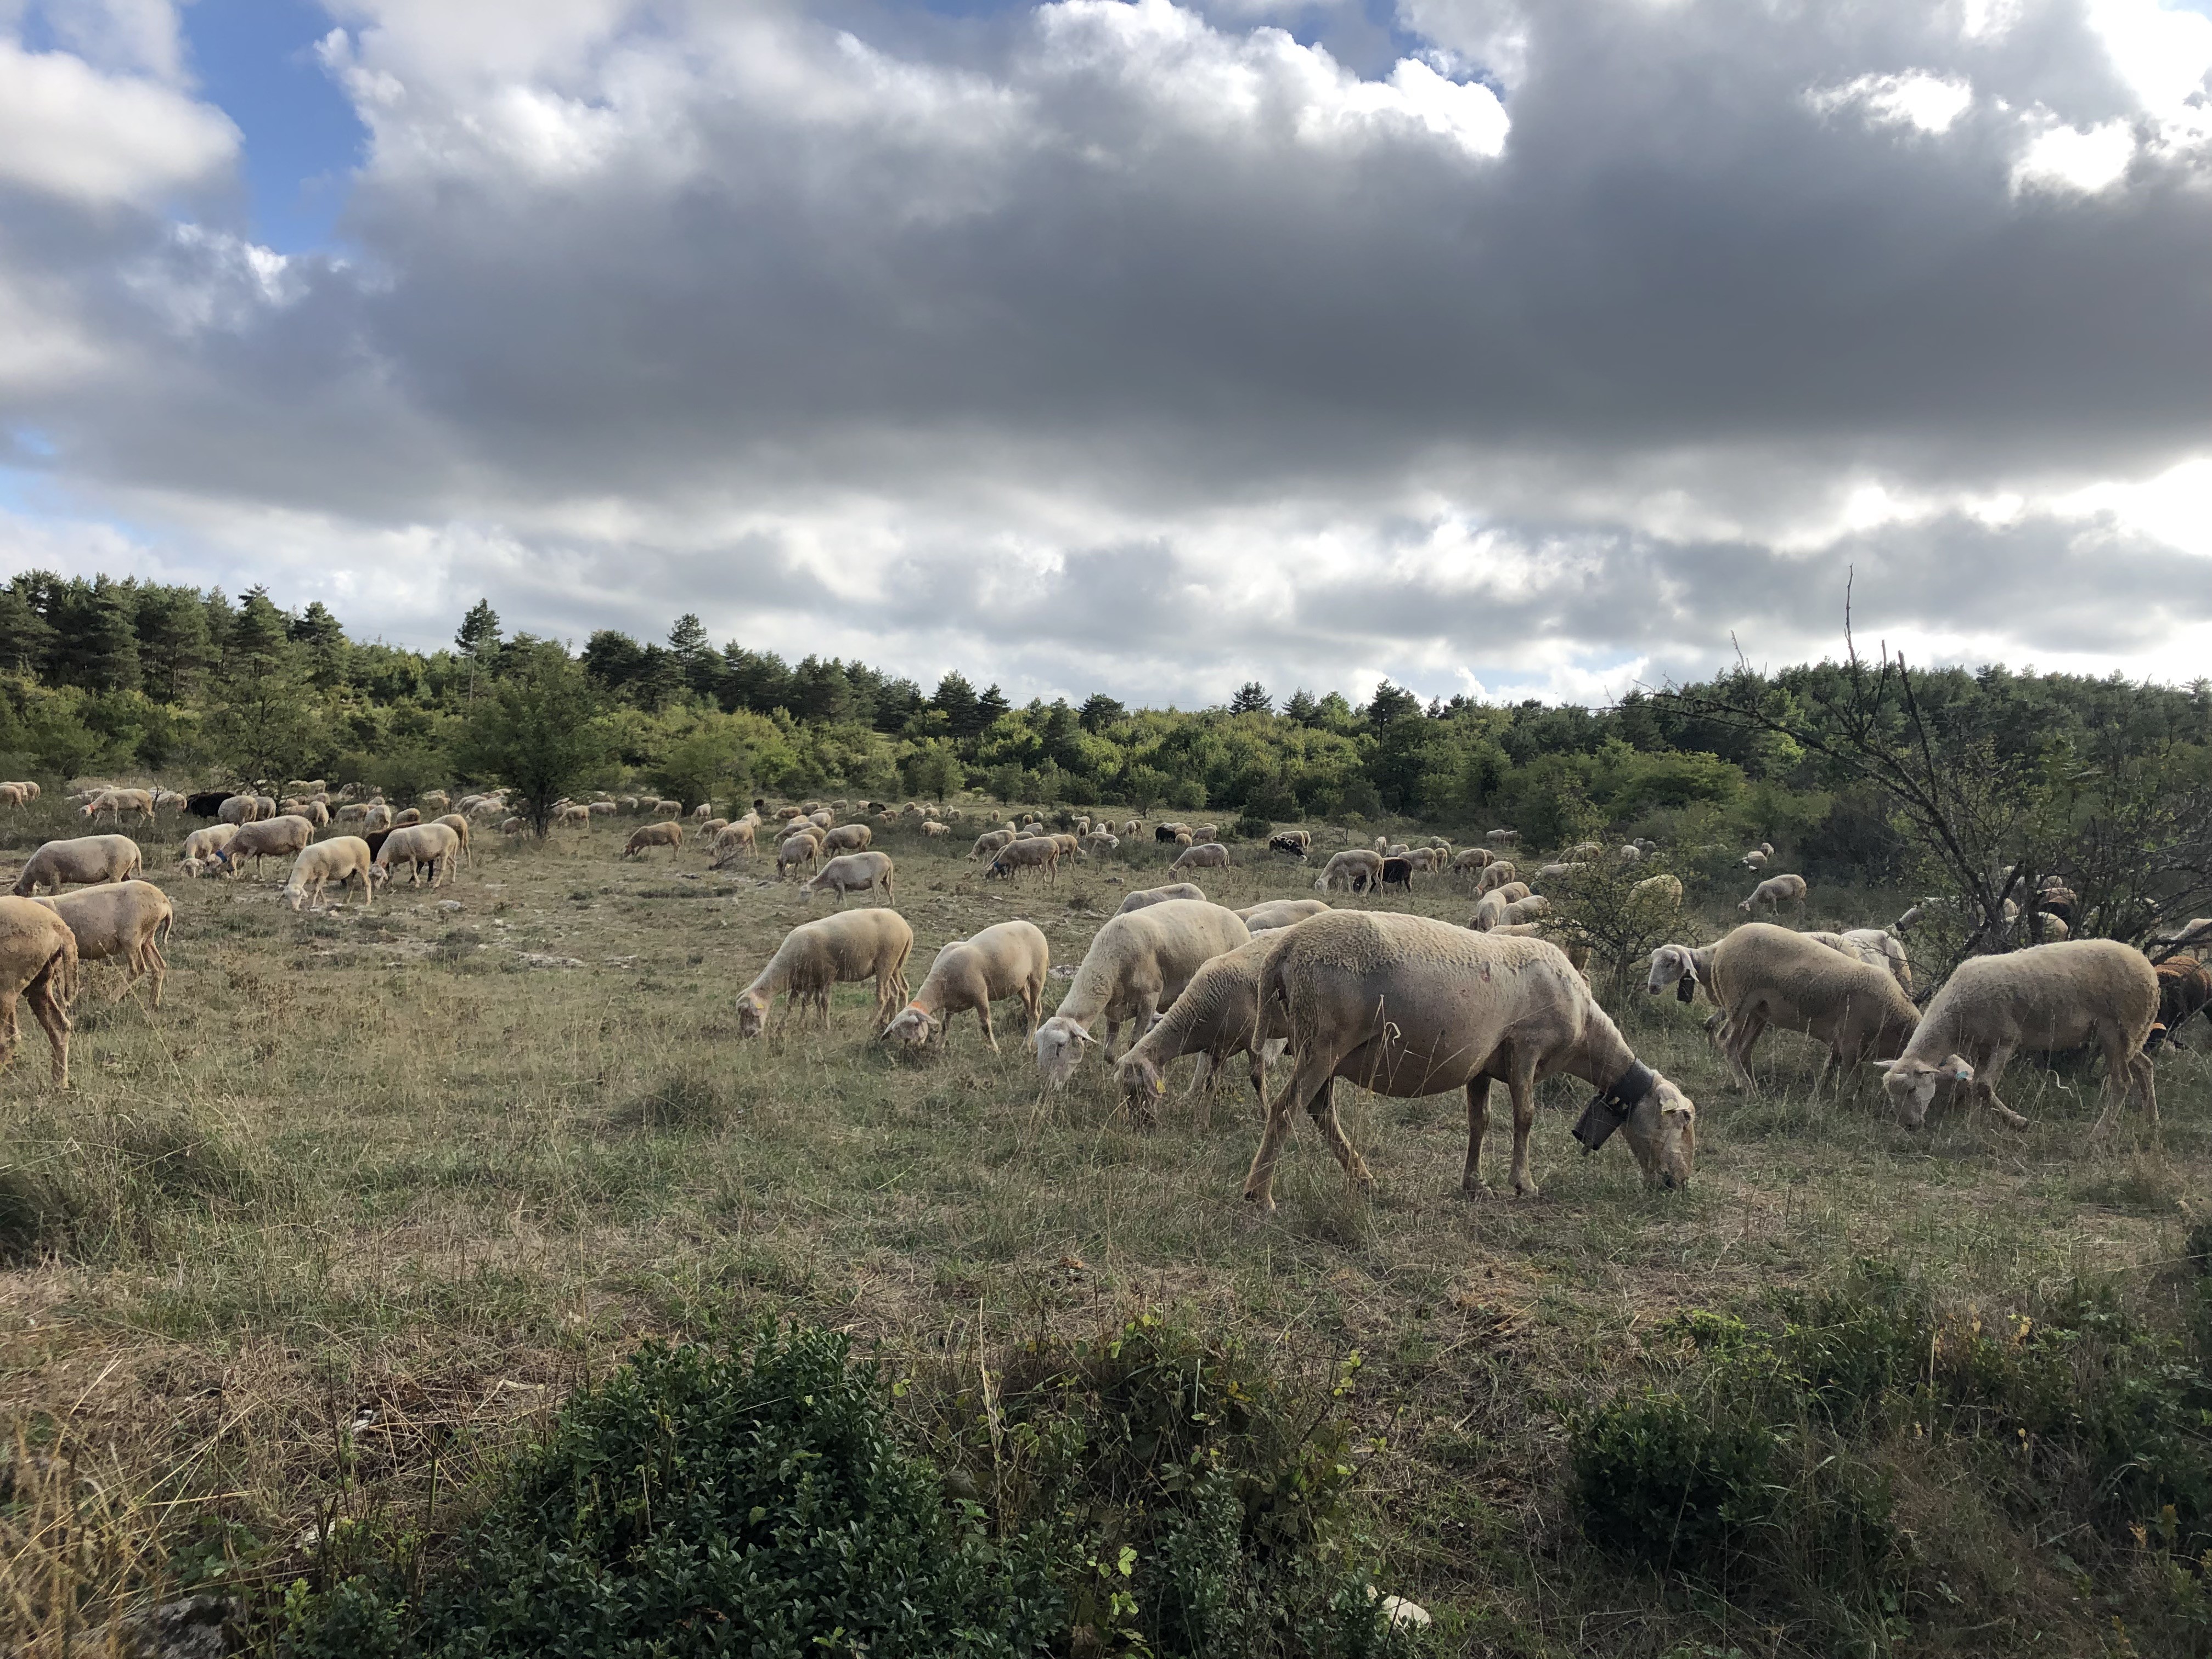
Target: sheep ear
<point x="1082" y="1035"/>
<point x="1883" y="1065"/>
<point x="1958" y="1070"/>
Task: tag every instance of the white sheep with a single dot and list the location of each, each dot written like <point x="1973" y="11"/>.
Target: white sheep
<point x="1496" y="874"/>
<point x="849" y="838"/>
<point x="851" y="872"/>
<point x="1040" y="853"/>
<point x="82" y="861"/>
<point x="1138" y="963"/>
<point x="1201" y="855"/>
<point x="1145" y="895"/>
<point x="342" y="858"/>
<point x="1009" y="960"/>
<point x="2047" y="997"/>
<point x="667" y="833"/>
<point x="836" y="950"/>
<point x="417" y="845"/>
<point x="1408" y="1006"/>
<point x="1267" y="917"/>
<point x="1775" y="892"/>
<point x="795" y="851"/>
<point x="1356" y="870"/>
<point x="459" y="825"/>
<point x="127" y="922"/>
<point x="37" y="964"/>
<point x="1218" y="1016"/>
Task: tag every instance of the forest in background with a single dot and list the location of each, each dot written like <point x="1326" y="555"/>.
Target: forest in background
<point x="109" y="677"/>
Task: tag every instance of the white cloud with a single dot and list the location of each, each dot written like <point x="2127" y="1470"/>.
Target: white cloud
<point x="1928" y="103"/>
<point x="2063" y="158"/>
<point x="67" y="130"/>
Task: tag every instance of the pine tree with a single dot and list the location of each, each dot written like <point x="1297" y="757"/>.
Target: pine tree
<point x="1100" y="711"/>
<point x="316" y="632"/>
<point x="1251" y="698"/>
<point x="1301" y="708"/>
<point x="108" y="649"/>
<point x="26" y="637"/>
<point x="173" y="640"/>
<point x="258" y="637"/>
<point x="956" y="700"/>
<point x="477" y="638"/>
<point x="988" y="707"/>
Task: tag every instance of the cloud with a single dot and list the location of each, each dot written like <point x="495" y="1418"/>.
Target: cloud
<point x="67" y="130"/>
<point x="1157" y="347"/>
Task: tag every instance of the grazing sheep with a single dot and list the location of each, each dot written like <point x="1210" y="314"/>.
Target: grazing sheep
<point x="1039" y="852"/>
<point x="1495" y="875"/>
<point x="703" y="811"/>
<point x="1008" y="960"/>
<point x="1489" y="912"/>
<point x="1201" y="855"/>
<point x="731" y="841"/>
<point x="1355" y="869"/>
<point x="202" y="844"/>
<point x="378" y="816"/>
<point x="851" y="872"/>
<point x="821" y="819"/>
<point x="1504" y="837"/>
<point x="1140" y="961"/>
<point x="1168" y="832"/>
<point x="1856" y="950"/>
<point x="989" y="842"/>
<point x="85" y="861"/>
<point x="796" y="850"/>
<point x="513" y="826"/>
<point x="1528" y="908"/>
<point x="342" y="858"/>
<point x="1473" y="859"/>
<point x="1266" y="918"/>
<point x="668" y="835"/>
<point x="1099" y="844"/>
<point x="1148" y="896"/>
<point x="1398" y="872"/>
<point x="417" y="845"/>
<point x="1554" y="872"/>
<point x="836" y="950"/>
<point x="459" y="825"/>
<point x="2185" y="990"/>
<point x="1892" y="950"/>
<point x="1754" y="859"/>
<point x="431" y="801"/>
<point x="1296" y="842"/>
<point x="240" y="808"/>
<point x="2046" y="997"/>
<point x="37" y="962"/>
<point x="1409" y="1007"/>
<point x="411" y="816"/>
<point x="1660" y="893"/>
<point x="849" y="838"/>
<point x="1133" y="828"/>
<point x="277" y="837"/>
<point x="1218" y="1016"/>
<point x="932" y="829"/>
<point x="127" y="922"/>
<point x="1761" y="975"/>
<point x="114" y="803"/>
<point x="1774" y="892"/>
<point x="600" y="809"/>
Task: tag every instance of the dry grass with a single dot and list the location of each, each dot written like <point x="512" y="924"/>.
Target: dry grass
<point x="307" y="1247"/>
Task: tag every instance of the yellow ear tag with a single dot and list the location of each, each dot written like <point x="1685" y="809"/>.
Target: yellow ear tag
<point x="1159" y="1085"/>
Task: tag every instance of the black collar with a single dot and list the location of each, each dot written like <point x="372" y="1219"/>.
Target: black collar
<point x="1629" y="1089"/>
<point x="1610" y="1107"/>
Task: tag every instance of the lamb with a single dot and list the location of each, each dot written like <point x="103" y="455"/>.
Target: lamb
<point x="1149" y="896"/>
<point x="1218" y="1016"/>
<point x="1140" y="961"/>
<point x="1408" y="1006"/>
<point x="836" y="950"/>
<point x="1355" y="869"/>
<point x="1495" y="875"/>
<point x="341" y="858"/>
<point x="126" y="922"/>
<point x="1008" y="960"/>
<point x="459" y="825"/>
<point x="1201" y="855"/>
<point x="37" y="962"/>
<point x="2185" y="990"/>
<point x="849" y="838"/>
<point x="665" y="834"/>
<point x="795" y="851"/>
<point x="851" y="872"/>
<point x="1266" y="918"/>
<point x="278" y="837"/>
<point x="415" y="845"/>
<point x="202" y="845"/>
<point x="1761" y="975"/>
<point x="85" y="861"/>
<point x="1039" y="852"/>
<point x="1775" y="891"/>
<point x="2046" y="997"/>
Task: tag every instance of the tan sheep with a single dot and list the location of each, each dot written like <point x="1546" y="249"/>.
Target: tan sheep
<point x="1495" y="875"/>
<point x="849" y="838"/>
<point x="85" y="861"/>
<point x="1218" y="1016"/>
<point x="114" y="803"/>
<point x="1146" y="895"/>
<point x="1138" y="961"/>
<point x="37" y="962"/>
<point x="342" y="858"/>
<point x="1472" y="861"/>
<point x="987" y="844"/>
<point x="1355" y="869"/>
<point x="815" y="956"/>
<point x="241" y="809"/>
<point x="418" y="846"/>
<point x="932" y="829"/>
<point x="1266" y="918"/>
<point x="1775" y="892"/>
<point x="126" y="923"/>
<point x="851" y="872"/>
<point x="459" y="825"/>
<point x="733" y="841"/>
<point x="665" y="834"/>
<point x="277" y="837"/>
<point x="2046" y="997"/>
<point x="1201" y="855"/>
<point x="1409" y="1007"/>
<point x="795" y="852"/>
<point x="1041" y="852"/>
<point x="1009" y="960"/>
<point x="201" y="846"/>
<point x="377" y="815"/>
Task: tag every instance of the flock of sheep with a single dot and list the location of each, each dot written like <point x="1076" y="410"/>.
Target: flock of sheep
<point x="1402" y="1005"/>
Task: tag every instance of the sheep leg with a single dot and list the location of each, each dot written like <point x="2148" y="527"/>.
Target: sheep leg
<point x="983" y="1019"/>
<point x="1740" y="1035"/>
<point x="1985" y="1085"/>
<point x="1521" y="1082"/>
<point x="1478" y="1125"/>
<point x="1312" y="1071"/>
<point x="1321" y="1108"/>
<point x="157" y="967"/>
<point x="10" y="1033"/>
<point x="47" y="1006"/>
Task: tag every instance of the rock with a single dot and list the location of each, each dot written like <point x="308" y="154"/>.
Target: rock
<point x="1405" y="1615"/>
<point x="449" y="904"/>
<point x="539" y="960"/>
<point x="193" y="1628"/>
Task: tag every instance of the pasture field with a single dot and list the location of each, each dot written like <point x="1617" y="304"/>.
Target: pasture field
<point x="322" y="1239"/>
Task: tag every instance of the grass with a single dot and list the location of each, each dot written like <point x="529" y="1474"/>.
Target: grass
<point x="334" y="1230"/>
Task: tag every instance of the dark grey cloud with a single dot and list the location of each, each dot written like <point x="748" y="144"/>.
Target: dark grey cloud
<point x="1145" y="345"/>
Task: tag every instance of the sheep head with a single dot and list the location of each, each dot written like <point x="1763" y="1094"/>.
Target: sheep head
<point x="1910" y="1084"/>
<point x="1140" y="1079"/>
<point x="1059" y="1042"/>
<point x="752" y="1013"/>
<point x="1670" y="964"/>
<point x="912" y="1025"/>
<point x="1663" y="1133"/>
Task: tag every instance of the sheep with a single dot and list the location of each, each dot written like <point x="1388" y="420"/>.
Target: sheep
<point x="459" y="825"/>
<point x="1856" y="950"/>
<point x="1383" y="845"/>
<point x="851" y="872"/>
<point x="415" y="845"/>
<point x="37" y="962"/>
<point x="1526" y="908"/>
<point x="600" y="809"/>
<point x="1267" y="917"/>
<point x="127" y="922"/>
<point x="703" y="811"/>
<point x="2185" y="990"/>
<point x="796" y="850"/>
<point x="668" y="835"/>
<point x="1148" y="896"/>
<point x="823" y="819"/>
<point x="849" y="838"/>
<point x="1504" y="837"/>
<point x="732" y="841"/>
<point x="1568" y="870"/>
<point x="1489" y="912"/>
<point x="1473" y="860"/>
<point x="1891" y="949"/>
<point x="239" y="809"/>
<point x="989" y="842"/>
<point x="1408" y="1006"/>
<point x="1296" y="842"/>
<point x="1495" y="875"/>
<point x="1133" y="828"/>
<point x="1168" y="832"/>
<point x="433" y="800"/>
<point x="1756" y="859"/>
<point x="413" y="815"/>
<point x="1201" y="855"/>
<point x="341" y="858"/>
<point x="264" y="808"/>
<point x="2046" y="997"/>
<point x="1427" y="859"/>
<point x="202" y="844"/>
<point x="85" y="861"/>
<point x="1139" y="961"/>
<point x="1398" y="872"/>
<point x="277" y="837"/>
<point x="1355" y="869"/>
<point x="1774" y="892"/>
<point x="932" y="829"/>
<point x="513" y="826"/>
<point x="1099" y="844"/>
<point x="836" y="950"/>
<point x="1761" y="975"/>
<point x="1009" y="960"/>
<point x="1658" y="893"/>
<point x="1218" y="1016"/>
<point x="114" y="803"/>
<point x="378" y="816"/>
<point x="1041" y="852"/>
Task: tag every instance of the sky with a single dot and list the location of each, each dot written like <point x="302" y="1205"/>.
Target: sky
<point x="1149" y="346"/>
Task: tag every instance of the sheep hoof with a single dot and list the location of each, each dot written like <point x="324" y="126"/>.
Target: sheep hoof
<point x="1526" y="1189"/>
<point x="1475" y="1191"/>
